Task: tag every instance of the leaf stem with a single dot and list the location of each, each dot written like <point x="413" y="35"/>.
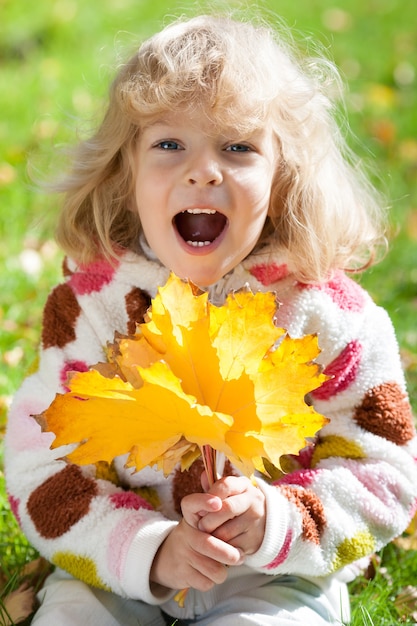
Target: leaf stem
<point x="208" y="455"/>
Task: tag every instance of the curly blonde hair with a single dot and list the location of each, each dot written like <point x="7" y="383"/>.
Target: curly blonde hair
<point x="323" y="209"/>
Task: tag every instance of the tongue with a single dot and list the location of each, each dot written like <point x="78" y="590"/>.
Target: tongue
<point x="200" y="226"/>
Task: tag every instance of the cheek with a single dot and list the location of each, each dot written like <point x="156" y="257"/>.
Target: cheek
<point x="149" y="226"/>
<point x="259" y="207"/>
<point x="257" y="190"/>
<point x="143" y="202"/>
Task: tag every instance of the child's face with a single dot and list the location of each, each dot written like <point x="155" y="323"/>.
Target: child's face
<point x="202" y="195"/>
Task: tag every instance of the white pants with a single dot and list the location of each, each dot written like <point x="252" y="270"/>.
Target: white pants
<point x="283" y="601"/>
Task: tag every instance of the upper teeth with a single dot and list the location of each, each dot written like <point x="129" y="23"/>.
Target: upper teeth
<point x="197" y="211"/>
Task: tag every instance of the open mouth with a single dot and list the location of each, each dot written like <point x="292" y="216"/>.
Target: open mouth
<point x="200" y="227"/>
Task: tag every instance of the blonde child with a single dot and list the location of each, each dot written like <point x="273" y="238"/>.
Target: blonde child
<point x="218" y="158"/>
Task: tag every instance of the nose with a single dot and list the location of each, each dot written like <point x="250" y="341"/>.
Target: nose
<point x="204" y="169"/>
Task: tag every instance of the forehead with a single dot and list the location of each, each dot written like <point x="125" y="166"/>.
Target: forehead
<point x="207" y="121"/>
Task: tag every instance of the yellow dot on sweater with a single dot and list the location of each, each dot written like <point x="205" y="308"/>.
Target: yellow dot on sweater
<point x="149" y="494"/>
<point x="333" y="446"/>
<point x="352" y="549"/>
<point x="33" y="367"/>
<point x="107" y="471"/>
<point x="80" y="567"/>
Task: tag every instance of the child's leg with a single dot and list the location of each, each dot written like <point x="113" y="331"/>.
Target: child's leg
<point x="286" y="601"/>
<point x="69" y="602"/>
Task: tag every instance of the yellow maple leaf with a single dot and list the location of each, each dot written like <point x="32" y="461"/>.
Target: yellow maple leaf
<point x="194" y="376"/>
<point x="111" y="417"/>
<point x="242" y="331"/>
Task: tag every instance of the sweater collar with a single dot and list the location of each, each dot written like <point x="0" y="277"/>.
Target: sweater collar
<point x="260" y="271"/>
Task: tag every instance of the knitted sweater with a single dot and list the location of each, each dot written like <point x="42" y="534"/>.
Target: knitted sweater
<point x="343" y="498"/>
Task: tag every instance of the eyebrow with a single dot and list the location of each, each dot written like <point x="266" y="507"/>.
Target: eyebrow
<point x="160" y="121"/>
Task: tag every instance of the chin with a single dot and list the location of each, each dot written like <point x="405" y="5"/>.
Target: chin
<point x="201" y="279"/>
<point x="204" y="281"/>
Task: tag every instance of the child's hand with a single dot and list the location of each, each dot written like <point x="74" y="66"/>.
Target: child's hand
<point x="241" y="520"/>
<point x="190" y="557"/>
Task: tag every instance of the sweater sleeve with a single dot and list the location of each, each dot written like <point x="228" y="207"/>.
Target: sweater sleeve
<point x="80" y="519"/>
<point x="355" y="488"/>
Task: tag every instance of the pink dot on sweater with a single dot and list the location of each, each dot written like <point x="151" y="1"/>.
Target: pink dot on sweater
<point x="14" y="507"/>
<point x="344" y="292"/>
<point x="92" y="277"/>
<point x="305" y="456"/>
<point x="343" y="371"/>
<point x="129" y="500"/>
<point x="269" y="273"/>
<point x="71" y="366"/>
<point x="304" y="478"/>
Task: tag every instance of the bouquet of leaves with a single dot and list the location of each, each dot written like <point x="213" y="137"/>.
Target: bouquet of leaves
<point x="196" y="379"/>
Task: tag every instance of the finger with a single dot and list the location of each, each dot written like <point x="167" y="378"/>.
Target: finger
<point x="229" y="486"/>
<point x="206" y="572"/>
<point x="199" y="572"/>
<point x="244" y="532"/>
<point x="231" y="530"/>
<point x="197" y="505"/>
<point x="232" y="507"/>
<point x="216" y="549"/>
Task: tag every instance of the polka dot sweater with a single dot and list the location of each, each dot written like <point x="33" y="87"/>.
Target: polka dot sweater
<point x="340" y="499"/>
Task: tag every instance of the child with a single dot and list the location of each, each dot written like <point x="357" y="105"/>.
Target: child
<point x="218" y="158"/>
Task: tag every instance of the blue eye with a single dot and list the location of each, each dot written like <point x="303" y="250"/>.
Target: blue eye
<point x="238" y="147"/>
<point x="168" y="145"/>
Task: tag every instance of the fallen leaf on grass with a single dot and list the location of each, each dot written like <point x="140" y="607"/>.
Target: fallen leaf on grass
<point x="17" y="605"/>
<point x="406" y="603"/>
<point x="35" y="572"/>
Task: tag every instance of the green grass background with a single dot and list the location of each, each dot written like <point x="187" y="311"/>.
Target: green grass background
<point x="56" y="60"/>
